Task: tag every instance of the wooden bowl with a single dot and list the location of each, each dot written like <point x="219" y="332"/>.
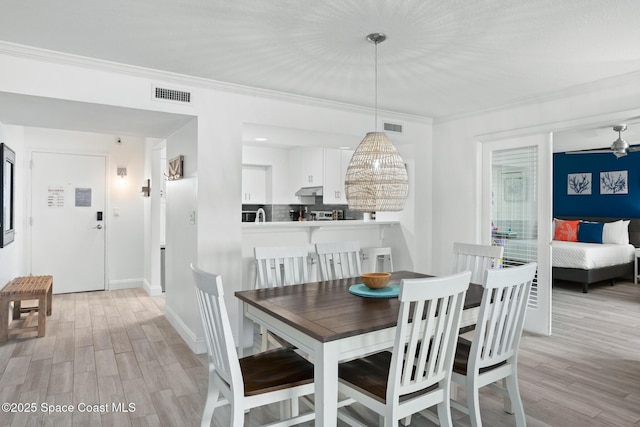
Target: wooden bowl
<point x="375" y="280"/>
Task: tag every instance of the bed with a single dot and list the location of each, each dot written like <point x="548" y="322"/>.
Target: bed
<point x="585" y="263"/>
<point x="588" y="263"/>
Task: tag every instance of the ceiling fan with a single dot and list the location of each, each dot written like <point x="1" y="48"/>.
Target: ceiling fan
<point x="619" y="147"/>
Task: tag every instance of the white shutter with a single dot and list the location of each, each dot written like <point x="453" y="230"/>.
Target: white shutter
<point x="514" y="207"/>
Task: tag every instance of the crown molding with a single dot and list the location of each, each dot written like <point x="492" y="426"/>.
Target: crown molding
<point x="603" y="119"/>
<point x="45" y="55"/>
<point x="579" y="89"/>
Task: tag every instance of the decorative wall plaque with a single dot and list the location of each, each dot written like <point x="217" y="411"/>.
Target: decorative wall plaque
<point x="175" y="168"/>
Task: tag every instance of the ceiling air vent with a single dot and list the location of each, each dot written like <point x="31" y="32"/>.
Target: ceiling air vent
<point x="171" y="94"/>
<point x="393" y="127"/>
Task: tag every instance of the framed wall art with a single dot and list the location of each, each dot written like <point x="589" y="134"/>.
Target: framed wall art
<point x="614" y="182"/>
<point x="579" y="184"/>
<point x="513" y="187"/>
<point x="7" y="195"/>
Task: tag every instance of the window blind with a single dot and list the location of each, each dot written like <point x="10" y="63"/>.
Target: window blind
<point x="514" y="207"/>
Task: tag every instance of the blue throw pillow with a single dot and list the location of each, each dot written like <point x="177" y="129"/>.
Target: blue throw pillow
<point x="590" y="232"/>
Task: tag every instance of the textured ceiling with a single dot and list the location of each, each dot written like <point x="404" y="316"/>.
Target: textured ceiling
<point x="441" y="58"/>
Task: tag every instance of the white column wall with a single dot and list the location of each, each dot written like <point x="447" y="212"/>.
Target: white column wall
<point x="152" y="263"/>
<point x="181" y="238"/>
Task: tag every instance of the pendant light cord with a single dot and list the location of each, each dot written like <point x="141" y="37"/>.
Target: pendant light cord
<point x="375" y="125"/>
<point x="376" y="38"/>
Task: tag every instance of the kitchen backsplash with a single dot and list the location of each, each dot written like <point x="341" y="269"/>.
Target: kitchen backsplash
<point x="275" y="213"/>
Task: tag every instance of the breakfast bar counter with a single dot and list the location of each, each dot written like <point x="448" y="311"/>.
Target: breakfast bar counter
<point x="311" y="228"/>
<point x="313" y="224"/>
<point x="308" y="233"/>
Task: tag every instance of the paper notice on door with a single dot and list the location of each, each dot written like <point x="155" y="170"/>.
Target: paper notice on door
<point x="55" y="197"/>
<point x="83" y="197"/>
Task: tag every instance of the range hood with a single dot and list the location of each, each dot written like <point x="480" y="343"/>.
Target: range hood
<point x="309" y="191"/>
<point x="308" y="195"/>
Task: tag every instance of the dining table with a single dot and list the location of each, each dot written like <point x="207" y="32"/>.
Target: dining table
<point x="330" y="324"/>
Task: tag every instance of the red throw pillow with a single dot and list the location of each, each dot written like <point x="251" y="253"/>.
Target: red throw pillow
<point x="566" y="230"/>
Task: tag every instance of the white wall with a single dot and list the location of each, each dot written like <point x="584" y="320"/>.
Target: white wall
<point x="456" y="173"/>
<point x="153" y="214"/>
<point x="411" y="241"/>
<point x="181" y="237"/>
<point x="125" y="252"/>
<point x="12" y="262"/>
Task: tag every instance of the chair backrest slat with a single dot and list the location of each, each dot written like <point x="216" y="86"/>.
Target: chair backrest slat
<point x="502" y="313"/>
<point x="427" y="331"/>
<point x="217" y="328"/>
<point x="338" y="260"/>
<point x="281" y="266"/>
<point x="476" y="258"/>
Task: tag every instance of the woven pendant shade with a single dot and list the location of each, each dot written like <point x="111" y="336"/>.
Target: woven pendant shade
<point x="376" y="179"/>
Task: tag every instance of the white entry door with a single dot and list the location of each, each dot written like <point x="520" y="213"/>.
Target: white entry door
<point x="517" y="213"/>
<point x="68" y="196"/>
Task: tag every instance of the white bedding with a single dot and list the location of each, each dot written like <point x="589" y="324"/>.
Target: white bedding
<point x="590" y="255"/>
<point x="575" y="254"/>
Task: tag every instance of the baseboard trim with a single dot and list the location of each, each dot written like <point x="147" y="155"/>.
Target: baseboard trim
<point x="150" y="290"/>
<point x="125" y="284"/>
<point x="197" y="345"/>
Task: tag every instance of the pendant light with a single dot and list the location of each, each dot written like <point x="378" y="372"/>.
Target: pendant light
<point x="376" y="179"/>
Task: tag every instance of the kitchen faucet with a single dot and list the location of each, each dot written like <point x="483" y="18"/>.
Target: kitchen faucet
<point x="261" y="215"/>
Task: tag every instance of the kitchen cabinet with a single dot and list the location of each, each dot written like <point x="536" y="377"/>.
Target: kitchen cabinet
<point x="336" y="162"/>
<point x="307" y="166"/>
<point x="254" y="185"/>
<point x="276" y="162"/>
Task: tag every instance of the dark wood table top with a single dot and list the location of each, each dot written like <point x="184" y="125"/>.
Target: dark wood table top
<point x="327" y="311"/>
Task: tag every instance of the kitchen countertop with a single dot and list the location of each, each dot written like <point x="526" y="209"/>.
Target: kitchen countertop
<point x="313" y="224"/>
<point x="312" y="227"/>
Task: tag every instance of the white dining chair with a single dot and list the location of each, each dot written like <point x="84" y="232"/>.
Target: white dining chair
<point x="378" y="259"/>
<point x="274" y="376"/>
<point x="413" y="376"/>
<point x="338" y="260"/>
<point x="476" y="258"/>
<point x="279" y="266"/>
<point x="492" y="355"/>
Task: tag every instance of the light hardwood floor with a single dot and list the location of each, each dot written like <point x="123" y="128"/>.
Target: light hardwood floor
<point x="117" y="347"/>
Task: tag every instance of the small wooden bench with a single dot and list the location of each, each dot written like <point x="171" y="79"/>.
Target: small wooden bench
<point x="38" y="288"/>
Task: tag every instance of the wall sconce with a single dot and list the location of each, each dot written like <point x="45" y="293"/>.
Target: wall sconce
<point x="121" y="173"/>
<point x="146" y="189"/>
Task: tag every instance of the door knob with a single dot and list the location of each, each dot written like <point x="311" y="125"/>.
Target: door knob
<point x="99" y="226"/>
